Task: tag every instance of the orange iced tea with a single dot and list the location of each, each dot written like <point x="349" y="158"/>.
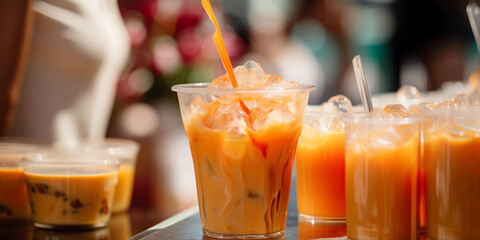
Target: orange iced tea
<point x="243" y="182"/>
<point x="320" y="166"/>
<point x="382" y="157"/>
<point x="452" y="163"/>
<point x="243" y="130"/>
<point x="243" y="158"/>
<point x="70" y="192"/>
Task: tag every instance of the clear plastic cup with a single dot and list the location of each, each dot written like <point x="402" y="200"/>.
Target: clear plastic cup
<point x="320" y="167"/>
<point x="125" y="151"/>
<point x="243" y="162"/>
<point x="452" y="169"/>
<point x="382" y="156"/>
<point x="14" y="204"/>
<point x="70" y="191"/>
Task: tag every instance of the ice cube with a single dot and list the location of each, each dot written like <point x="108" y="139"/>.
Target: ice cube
<point x="327" y="107"/>
<point x="461" y="100"/>
<point x="474" y="98"/>
<point x="388" y="136"/>
<point x="468" y="118"/>
<point x="250" y="75"/>
<point x="395" y="111"/>
<point x="243" y="77"/>
<point x="266" y="108"/>
<point x="254" y="69"/>
<point x="445" y="105"/>
<point x="277" y="82"/>
<point x="331" y="124"/>
<point x="341" y="103"/>
<point x="338" y="103"/>
<point x="257" y="118"/>
<point x="379" y="141"/>
<point x="221" y="82"/>
<point x="408" y="95"/>
<point x="224" y="113"/>
<point x="327" y="124"/>
<point x="199" y="105"/>
<point x="421" y="108"/>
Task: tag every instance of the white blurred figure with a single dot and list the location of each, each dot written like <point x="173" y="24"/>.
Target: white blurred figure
<point x="79" y="49"/>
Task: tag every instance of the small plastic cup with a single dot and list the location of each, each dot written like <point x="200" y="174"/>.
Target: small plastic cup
<point x="320" y="167"/>
<point x="70" y="191"/>
<point x="452" y="170"/>
<point x="125" y="151"/>
<point x="14" y="204"/>
<point x="243" y="164"/>
<point x="381" y="156"/>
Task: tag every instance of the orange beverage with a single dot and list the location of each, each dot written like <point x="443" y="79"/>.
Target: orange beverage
<point x="320" y="166"/>
<point x="243" y="135"/>
<point x="243" y="160"/>
<point x="452" y="163"/>
<point x="14" y="204"/>
<point x="123" y="150"/>
<point x="13" y="194"/>
<point x="382" y="156"/>
<point x="70" y="191"/>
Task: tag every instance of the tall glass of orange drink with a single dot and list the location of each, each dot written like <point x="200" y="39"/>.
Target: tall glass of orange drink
<point x="70" y="191"/>
<point x="243" y="142"/>
<point x="382" y="152"/>
<point x="320" y="163"/>
<point x="14" y="204"/>
<point x="452" y="168"/>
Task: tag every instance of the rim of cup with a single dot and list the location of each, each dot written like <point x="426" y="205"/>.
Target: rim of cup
<point x="202" y="87"/>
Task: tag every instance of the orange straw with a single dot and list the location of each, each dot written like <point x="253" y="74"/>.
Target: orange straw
<point x="217" y="38"/>
<point x="222" y="50"/>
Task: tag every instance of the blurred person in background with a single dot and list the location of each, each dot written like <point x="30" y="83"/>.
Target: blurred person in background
<point x="78" y="51"/>
<point x="435" y="32"/>
<point x="320" y="26"/>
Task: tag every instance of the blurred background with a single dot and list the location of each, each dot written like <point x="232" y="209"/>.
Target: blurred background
<point x="423" y="43"/>
<point x="409" y="42"/>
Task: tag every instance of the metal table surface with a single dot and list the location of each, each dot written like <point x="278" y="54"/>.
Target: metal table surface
<point x="187" y="225"/>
